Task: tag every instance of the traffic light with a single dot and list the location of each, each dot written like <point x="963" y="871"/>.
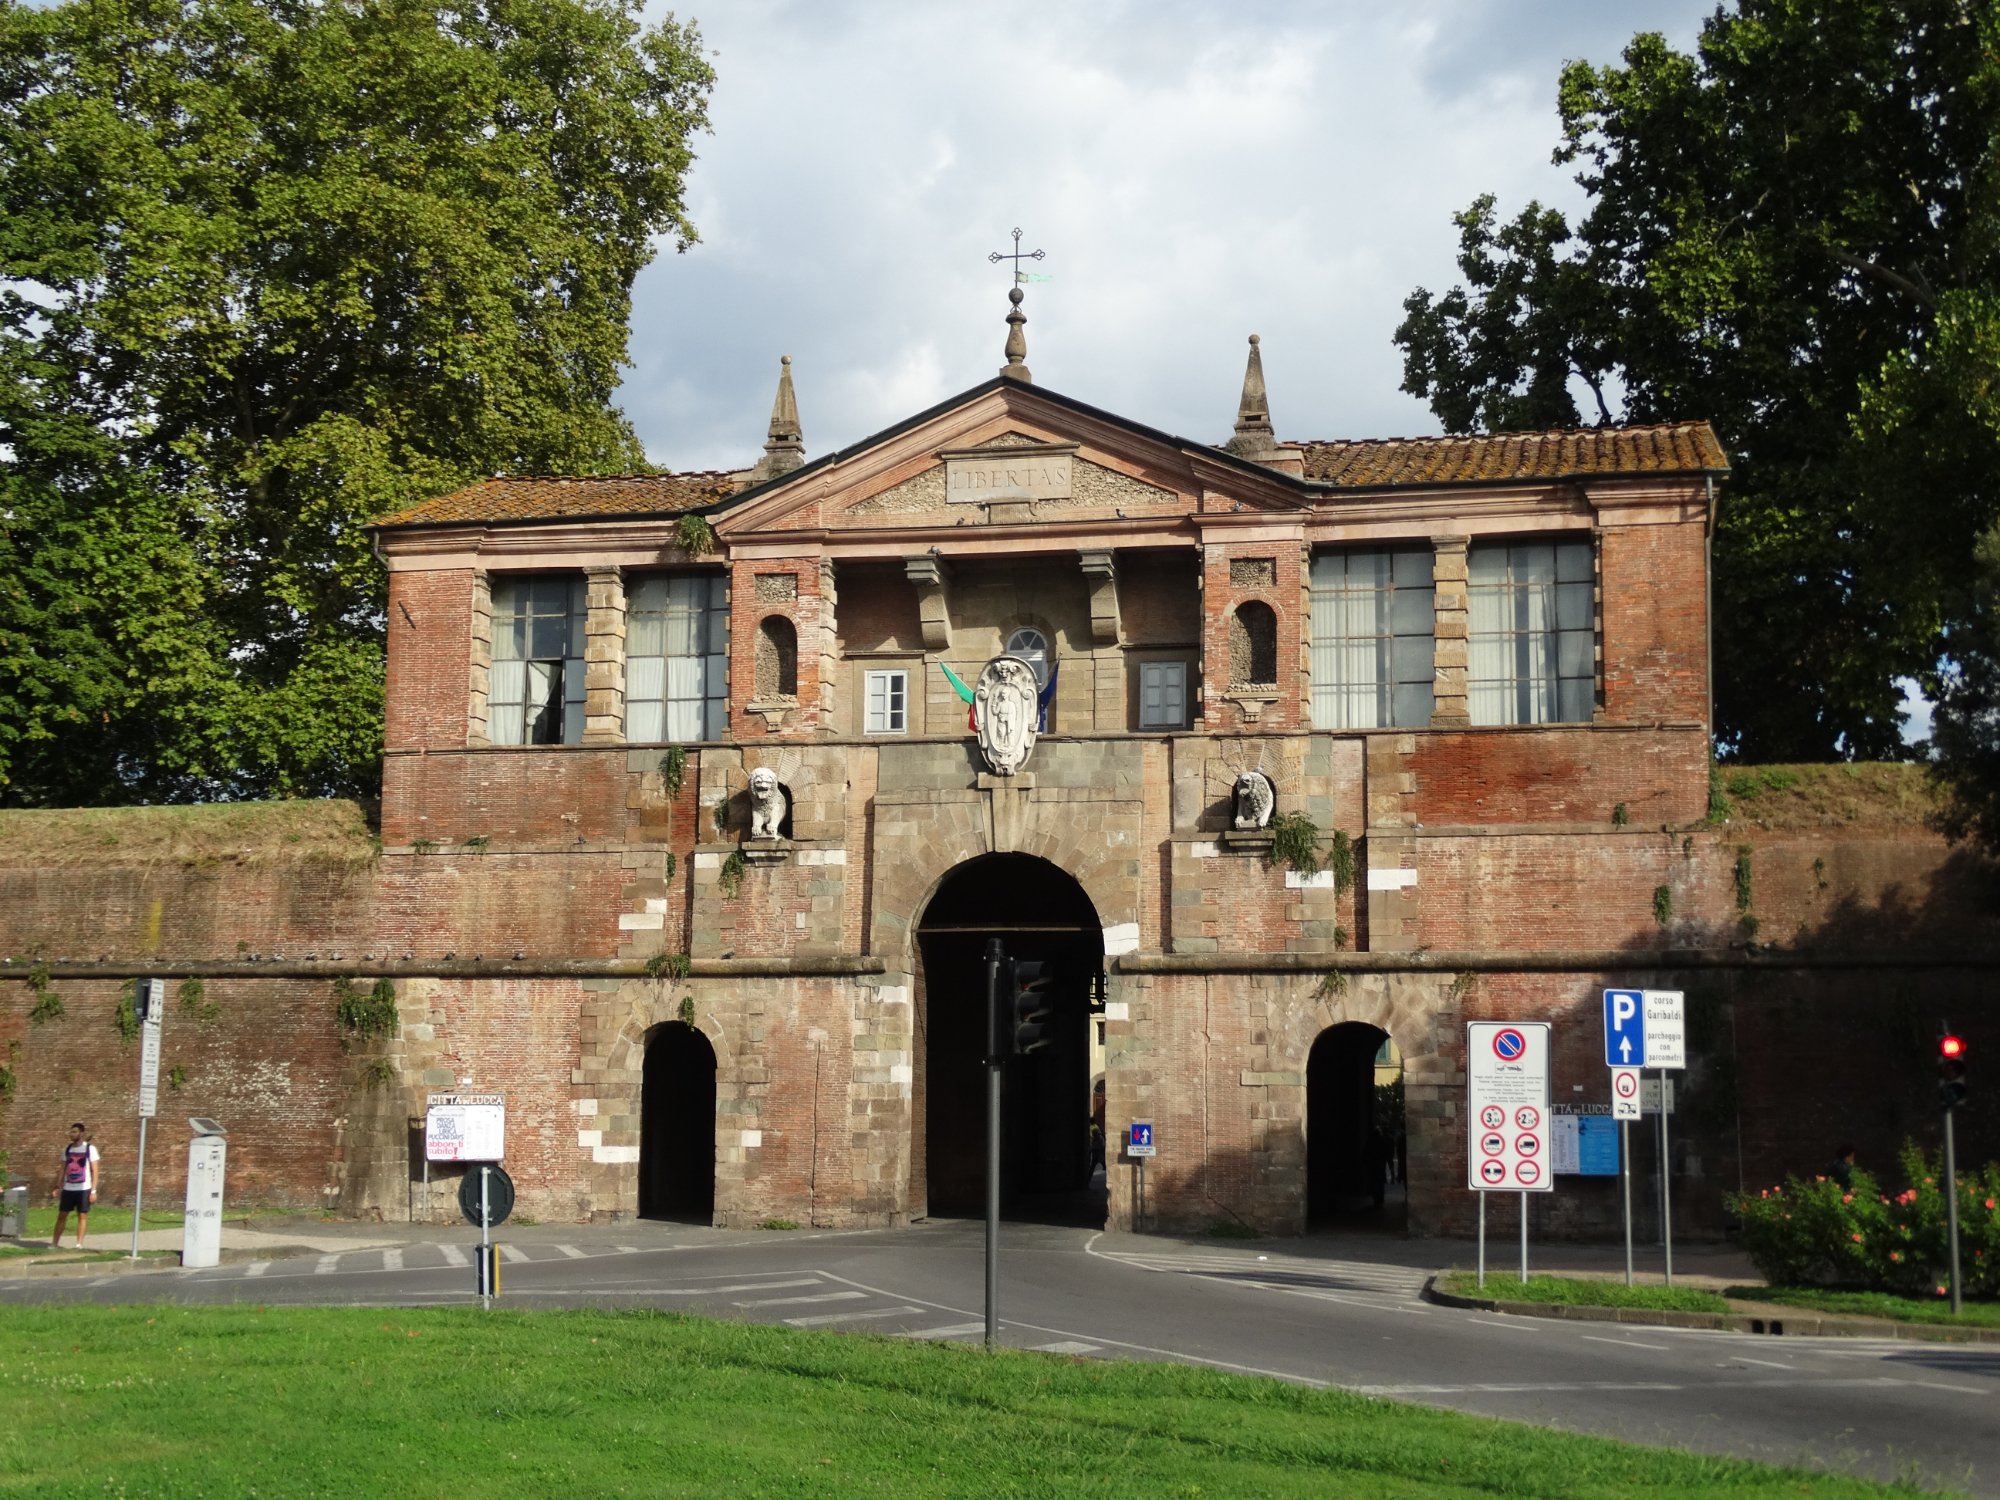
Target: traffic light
<point x="1951" y="1070"/>
<point x="1028" y="982"/>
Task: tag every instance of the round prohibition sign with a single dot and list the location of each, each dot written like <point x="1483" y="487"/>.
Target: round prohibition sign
<point x="1527" y="1117"/>
<point x="1625" y="1084"/>
<point x="1494" y="1172"/>
<point x="1509" y="1045"/>
<point x="1493" y="1117"/>
<point x="1493" y="1144"/>
<point x="1527" y="1145"/>
<point x="1527" y="1173"/>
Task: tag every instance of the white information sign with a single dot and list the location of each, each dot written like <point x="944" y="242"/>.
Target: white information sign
<point x="466" y="1127"/>
<point x="151" y="999"/>
<point x="1625" y="1093"/>
<point x="1650" y="1090"/>
<point x="1666" y="1028"/>
<point x="1508" y="1146"/>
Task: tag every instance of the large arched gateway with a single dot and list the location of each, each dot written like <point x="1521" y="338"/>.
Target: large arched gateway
<point x="677" y="1126"/>
<point x="1039" y="912"/>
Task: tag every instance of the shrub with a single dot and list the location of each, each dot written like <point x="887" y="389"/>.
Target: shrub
<point x="1817" y="1233"/>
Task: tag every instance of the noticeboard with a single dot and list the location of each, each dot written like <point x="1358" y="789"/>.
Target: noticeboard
<point x="1585" y="1145"/>
<point x="466" y="1127"/>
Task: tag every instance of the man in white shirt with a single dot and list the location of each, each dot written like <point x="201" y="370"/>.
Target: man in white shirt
<point x="77" y="1189"/>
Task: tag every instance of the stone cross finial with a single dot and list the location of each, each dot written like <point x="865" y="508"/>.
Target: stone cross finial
<point x="1016" y="367"/>
<point x="1254" y="434"/>
<point x="785" y="444"/>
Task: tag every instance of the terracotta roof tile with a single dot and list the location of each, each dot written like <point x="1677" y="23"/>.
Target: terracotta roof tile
<point x="536" y="498"/>
<point x="1666" y="448"/>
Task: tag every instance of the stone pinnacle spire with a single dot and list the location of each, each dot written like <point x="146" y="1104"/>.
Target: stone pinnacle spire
<point x="785" y="447"/>
<point x="1016" y="367"/>
<point x="1253" y="413"/>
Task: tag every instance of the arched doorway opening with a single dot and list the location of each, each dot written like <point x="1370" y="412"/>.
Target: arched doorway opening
<point x="677" y="1126"/>
<point x="1047" y="1172"/>
<point x="1354" y="1127"/>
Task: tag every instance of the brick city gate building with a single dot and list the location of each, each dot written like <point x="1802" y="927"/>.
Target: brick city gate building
<point x="1470" y="674"/>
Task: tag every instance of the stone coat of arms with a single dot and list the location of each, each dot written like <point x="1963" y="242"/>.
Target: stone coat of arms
<point x="1006" y="704"/>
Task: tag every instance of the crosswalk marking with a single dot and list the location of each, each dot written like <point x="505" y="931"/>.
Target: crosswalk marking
<point x="453" y="1256"/>
<point x="326" y="1265"/>
<point x="950" y="1331"/>
<point x="571" y="1251"/>
<point x="1283" y="1275"/>
<point x="512" y="1256"/>
<point x="257" y="1268"/>
<point x="740" y="1286"/>
<point x="796" y="1301"/>
<point x="1066" y="1346"/>
<point x="824" y="1319"/>
<point x="392" y="1260"/>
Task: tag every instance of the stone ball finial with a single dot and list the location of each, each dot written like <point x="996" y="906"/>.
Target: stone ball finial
<point x="1014" y="295"/>
<point x="1254" y="339"/>
<point x="784" y="359"/>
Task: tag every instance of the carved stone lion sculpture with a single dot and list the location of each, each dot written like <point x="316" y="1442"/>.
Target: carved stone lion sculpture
<point x="767" y="804"/>
<point x="1255" y="800"/>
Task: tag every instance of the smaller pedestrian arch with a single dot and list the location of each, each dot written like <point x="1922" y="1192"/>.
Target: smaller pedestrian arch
<point x="677" y="1126"/>
<point x="1354" y="1123"/>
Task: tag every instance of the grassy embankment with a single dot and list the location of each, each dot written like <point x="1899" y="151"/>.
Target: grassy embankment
<point x="450" y="1402"/>
<point x="1582" y="1291"/>
<point x="1875" y="1305"/>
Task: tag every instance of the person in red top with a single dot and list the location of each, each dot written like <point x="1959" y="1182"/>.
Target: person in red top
<point x="78" y="1189"/>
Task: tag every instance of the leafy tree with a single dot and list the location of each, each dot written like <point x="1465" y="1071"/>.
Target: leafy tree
<point x="1776" y="225"/>
<point x="268" y="269"/>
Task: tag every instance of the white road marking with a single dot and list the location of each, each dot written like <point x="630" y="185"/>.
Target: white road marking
<point x="257" y="1268"/>
<point x="626" y="1249"/>
<point x="1516" y="1327"/>
<point x="512" y="1256"/>
<point x="1625" y="1343"/>
<point x="326" y="1265"/>
<point x="741" y="1286"/>
<point x="853" y="1317"/>
<point x="950" y="1331"/>
<point x="797" y="1301"/>
<point x="572" y="1252"/>
<point x="1939" y="1385"/>
<point x="453" y="1256"/>
<point x="1067" y="1346"/>
<point x="1769" y="1364"/>
<point x="392" y="1260"/>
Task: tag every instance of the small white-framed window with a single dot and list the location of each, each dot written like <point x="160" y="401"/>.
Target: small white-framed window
<point x="1032" y="647"/>
<point x="886" y="696"/>
<point x="1163" y="695"/>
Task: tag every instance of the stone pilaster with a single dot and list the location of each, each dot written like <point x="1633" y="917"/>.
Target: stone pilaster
<point x="1449" y="709"/>
<point x="479" y="689"/>
<point x="604" y="657"/>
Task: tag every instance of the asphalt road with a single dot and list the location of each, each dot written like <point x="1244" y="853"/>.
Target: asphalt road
<point x="1884" y="1408"/>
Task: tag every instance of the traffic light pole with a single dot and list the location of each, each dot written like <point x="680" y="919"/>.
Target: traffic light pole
<point x="996" y="960"/>
<point x="1951" y="1204"/>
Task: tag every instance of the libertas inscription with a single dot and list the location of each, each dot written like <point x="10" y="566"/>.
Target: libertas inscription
<point x="978" y="475"/>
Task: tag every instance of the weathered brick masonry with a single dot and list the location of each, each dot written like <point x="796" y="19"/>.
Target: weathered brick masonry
<point x="1502" y="756"/>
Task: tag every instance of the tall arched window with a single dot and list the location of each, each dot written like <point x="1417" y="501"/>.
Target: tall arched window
<point x="777" y="658"/>
<point x="1253" y="645"/>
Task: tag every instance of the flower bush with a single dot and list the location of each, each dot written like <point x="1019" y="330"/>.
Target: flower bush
<point x="1814" y="1232"/>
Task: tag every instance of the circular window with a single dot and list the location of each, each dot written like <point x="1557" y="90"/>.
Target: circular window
<point x="1032" y="647"/>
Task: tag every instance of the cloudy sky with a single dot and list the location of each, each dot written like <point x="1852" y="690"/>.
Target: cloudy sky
<point x="1196" y="172"/>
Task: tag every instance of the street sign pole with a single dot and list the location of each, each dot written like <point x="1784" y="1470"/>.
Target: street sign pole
<point x="1482" y="1242"/>
<point x="1666" y="1184"/>
<point x="1625" y="1176"/>
<point x="149" y="996"/>
<point x="1524" y="1239"/>
<point x="995" y="961"/>
<point x="485" y="1239"/>
<point x="1951" y="1203"/>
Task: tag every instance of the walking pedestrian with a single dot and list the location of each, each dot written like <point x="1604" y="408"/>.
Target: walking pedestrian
<point x="78" y="1187"/>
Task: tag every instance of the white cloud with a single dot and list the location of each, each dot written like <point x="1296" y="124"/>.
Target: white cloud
<point x="1195" y="174"/>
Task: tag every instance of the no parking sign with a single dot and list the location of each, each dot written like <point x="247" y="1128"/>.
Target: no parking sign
<point x="1507" y="1106"/>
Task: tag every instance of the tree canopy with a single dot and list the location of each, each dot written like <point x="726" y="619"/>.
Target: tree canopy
<point x="269" y="269"/>
<point x="1791" y="233"/>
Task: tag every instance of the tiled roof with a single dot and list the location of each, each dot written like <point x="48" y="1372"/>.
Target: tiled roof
<point x="1666" y="448"/>
<point x="525" y="498"/>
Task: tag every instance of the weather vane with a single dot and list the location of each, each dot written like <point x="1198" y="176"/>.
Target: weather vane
<point x="1017" y="257"/>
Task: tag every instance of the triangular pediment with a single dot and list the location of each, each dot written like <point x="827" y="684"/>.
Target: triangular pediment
<point x="1002" y="454"/>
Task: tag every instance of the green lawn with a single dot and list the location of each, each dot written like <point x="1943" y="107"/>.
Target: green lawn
<point x="1875" y="1305"/>
<point x="103" y="1221"/>
<point x="452" y="1402"/>
<point x="1582" y="1291"/>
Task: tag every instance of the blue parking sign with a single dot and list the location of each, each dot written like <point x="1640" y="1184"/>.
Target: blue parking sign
<point x="1624" y="1029"/>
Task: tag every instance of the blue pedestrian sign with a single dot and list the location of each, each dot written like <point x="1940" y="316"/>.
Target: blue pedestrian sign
<point x="1624" y="1029"/>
